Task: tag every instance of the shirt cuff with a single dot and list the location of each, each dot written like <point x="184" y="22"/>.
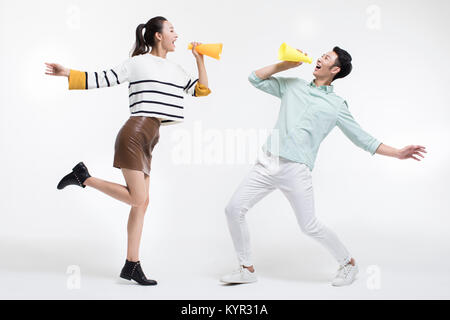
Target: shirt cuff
<point x="253" y="78"/>
<point x="374" y="146"/>
<point x="201" y="90"/>
<point x="77" y="80"/>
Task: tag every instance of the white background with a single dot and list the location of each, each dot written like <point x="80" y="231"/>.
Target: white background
<point x="391" y="214"/>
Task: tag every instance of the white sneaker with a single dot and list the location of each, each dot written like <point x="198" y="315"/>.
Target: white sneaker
<point x="345" y="275"/>
<point x="241" y="275"/>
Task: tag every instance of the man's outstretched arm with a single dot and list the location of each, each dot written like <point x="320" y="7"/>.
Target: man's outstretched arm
<point x="364" y="140"/>
<point x="405" y="153"/>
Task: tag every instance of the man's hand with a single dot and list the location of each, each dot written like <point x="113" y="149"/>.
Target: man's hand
<point x="410" y="152"/>
<point x="285" y="65"/>
<point x="266" y="72"/>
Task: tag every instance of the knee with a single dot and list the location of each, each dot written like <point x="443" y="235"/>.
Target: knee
<point x="312" y="229"/>
<point x="139" y="201"/>
<point x="233" y="210"/>
<point x="146" y="202"/>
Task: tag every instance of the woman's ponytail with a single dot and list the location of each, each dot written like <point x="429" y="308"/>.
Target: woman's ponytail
<point x="147" y="40"/>
<point x="140" y="46"/>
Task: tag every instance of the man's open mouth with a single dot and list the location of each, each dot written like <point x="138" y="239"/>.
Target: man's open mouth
<point x="318" y="67"/>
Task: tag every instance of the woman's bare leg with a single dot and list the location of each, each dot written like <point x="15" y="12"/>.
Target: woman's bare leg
<point x="135" y="226"/>
<point x="133" y="194"/>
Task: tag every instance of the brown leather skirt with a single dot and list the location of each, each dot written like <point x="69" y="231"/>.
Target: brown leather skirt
<point x="135" y="142"/>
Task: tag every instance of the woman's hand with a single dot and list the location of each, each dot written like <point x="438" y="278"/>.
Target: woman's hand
<point x="409" y="152"/>
<point x="202" y="75"/>
<point x="194" y="52"/>
<point x="291" y="64"/>
<point x="54" y="69"/>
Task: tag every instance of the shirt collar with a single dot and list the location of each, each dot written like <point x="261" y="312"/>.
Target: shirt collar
<point x="327" y="89"/>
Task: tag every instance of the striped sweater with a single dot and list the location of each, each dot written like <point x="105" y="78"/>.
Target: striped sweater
<point x="157" y="86"/>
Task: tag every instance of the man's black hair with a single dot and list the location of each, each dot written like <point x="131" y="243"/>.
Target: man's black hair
<point x="343" y="61"/>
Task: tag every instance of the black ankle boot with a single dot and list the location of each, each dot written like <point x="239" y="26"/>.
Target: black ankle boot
<point x="78" y="175"/>
<point x="133" y="271"/>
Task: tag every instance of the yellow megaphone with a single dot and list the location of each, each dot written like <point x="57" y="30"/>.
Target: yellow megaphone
<point x="287" y="53"/>
<point x="212" y="50"/>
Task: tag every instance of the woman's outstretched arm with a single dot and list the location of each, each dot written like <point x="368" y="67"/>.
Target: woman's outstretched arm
<point x="81" y="80"/>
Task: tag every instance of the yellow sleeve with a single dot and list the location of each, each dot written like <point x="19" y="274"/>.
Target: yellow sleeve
<point x="201" y="90"/>
<point x="77" y="80"/>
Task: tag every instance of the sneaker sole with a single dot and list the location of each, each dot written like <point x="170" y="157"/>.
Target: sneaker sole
<point x="238" y="282"/>
<point x="345" y="284"/>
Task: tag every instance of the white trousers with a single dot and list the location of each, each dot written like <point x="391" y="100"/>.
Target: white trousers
<point x="295" y="181"/>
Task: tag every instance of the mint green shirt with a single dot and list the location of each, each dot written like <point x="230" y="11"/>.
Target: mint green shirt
<point x="307" y="115"/>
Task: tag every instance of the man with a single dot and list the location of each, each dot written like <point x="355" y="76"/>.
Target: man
<point x="308" y="112"/>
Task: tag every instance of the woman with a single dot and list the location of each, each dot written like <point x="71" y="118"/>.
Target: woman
<point x="156" y="91"/>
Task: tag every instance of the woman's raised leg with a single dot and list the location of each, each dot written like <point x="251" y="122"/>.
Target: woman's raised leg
<point x="133" y="194"/>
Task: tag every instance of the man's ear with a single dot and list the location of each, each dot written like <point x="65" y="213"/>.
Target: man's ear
<point x="335" y="70"/>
